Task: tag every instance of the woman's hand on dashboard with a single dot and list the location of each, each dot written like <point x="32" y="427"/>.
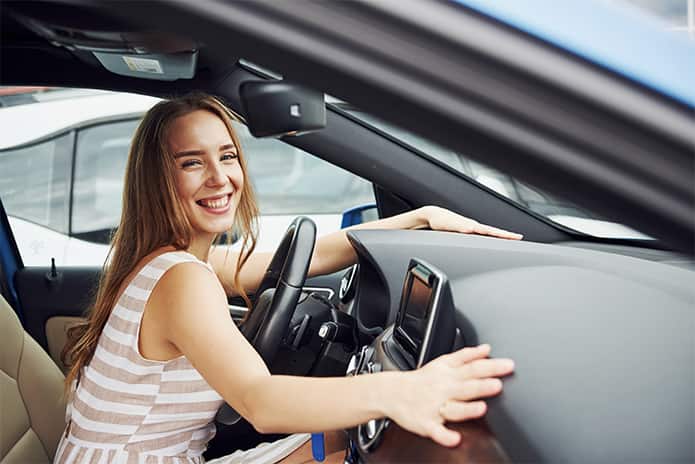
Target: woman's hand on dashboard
<point x="442" y="219"/>
<point x="334" y="251"/>
<point x="448" y="389"/>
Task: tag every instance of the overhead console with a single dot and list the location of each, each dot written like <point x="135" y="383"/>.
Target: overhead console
<point x="91" y="34"/>
<point x="424" y="329"/>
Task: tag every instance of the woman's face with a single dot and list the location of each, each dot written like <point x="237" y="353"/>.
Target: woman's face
<point x="209" y="178"/>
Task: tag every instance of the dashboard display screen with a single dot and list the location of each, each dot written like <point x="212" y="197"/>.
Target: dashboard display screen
<point x="414" y="315"/>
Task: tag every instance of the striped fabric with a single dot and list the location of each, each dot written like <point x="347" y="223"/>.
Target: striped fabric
<point x="128" y="409"/>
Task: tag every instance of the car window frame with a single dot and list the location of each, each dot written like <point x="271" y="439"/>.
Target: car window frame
<point x="71" y="135"/>
<point x="77" y="130"/>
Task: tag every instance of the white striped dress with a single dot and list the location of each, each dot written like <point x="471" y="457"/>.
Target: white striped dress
<point x="128" y="409"/>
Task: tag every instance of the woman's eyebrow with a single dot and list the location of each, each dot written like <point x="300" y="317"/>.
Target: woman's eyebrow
<point x="225" y="147"/>
<point x="188" y="153"/>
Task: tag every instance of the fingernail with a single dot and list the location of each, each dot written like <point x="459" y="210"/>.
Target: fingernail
<point x="507" y="363"/>
<point x="484" y="346"/>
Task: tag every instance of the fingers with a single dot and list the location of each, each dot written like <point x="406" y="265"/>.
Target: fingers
<point x="477" y="365"/>
<point x="483" y="368"/>
<point x="478" y="388"/>
<point x="467" y="375"/>
<point x="457" y="411"/>
<point x="442" y="219"/>
<point x="465" y="355"/>
<point x="484" y="229"/>
<point x="444" y="436"/>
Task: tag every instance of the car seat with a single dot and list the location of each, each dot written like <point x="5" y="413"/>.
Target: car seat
<point x="32" y="404"/>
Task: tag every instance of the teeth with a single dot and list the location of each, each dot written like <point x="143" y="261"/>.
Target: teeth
<point x="216" y="204"/>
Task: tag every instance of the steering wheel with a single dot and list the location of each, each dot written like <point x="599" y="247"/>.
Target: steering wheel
<point x="277" y="296"/>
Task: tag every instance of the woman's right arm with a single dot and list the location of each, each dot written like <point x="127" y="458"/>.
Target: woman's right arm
<point x="190" y="308"/>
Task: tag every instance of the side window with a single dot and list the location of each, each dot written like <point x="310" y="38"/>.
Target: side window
<point x="550" y="206"/>
<point x="100" y="161"/>
<point x="290" y="182"/>
<point x="74" y="227"/>
<point x="34" y="190"/>
<point x="34" y="182"/>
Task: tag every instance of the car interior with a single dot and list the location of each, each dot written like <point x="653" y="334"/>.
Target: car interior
<point x="588" y="320"/>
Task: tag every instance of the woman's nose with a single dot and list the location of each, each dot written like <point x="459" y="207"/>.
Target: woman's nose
<point x="216" y="175"/>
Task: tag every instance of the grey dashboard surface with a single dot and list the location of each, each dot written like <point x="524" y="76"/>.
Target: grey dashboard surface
<point x="603" y="343"/>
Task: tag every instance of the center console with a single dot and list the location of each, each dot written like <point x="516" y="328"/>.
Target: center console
<point x="425" y="328"/>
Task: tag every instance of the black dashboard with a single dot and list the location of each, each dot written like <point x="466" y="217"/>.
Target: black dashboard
<point x="603" y="342"/>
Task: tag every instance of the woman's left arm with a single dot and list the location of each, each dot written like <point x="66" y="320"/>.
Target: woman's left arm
<point x="333" y="251"/>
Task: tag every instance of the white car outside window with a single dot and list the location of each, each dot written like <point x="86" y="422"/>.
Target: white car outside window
<point x="62" y="162"/>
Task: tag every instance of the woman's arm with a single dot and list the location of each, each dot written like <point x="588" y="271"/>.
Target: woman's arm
<point x="188" y="307"/>
<point x="333" y="251"/>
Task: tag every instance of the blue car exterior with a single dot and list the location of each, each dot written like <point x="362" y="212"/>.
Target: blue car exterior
<point x="608" y="35"/>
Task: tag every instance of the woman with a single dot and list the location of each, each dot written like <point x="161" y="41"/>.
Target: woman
<point x="159" y="353"/>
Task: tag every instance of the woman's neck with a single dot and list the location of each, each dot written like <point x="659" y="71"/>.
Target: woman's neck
<point x="200" y="246"/>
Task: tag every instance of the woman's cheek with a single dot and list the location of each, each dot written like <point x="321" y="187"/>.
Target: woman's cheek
<point x="238" y="178"/>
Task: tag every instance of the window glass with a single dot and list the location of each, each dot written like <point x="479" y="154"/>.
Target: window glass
<point x="34" y="182"/>
<point x="289" y="181"/>
<point x="102" y="152"/>
<point x="553" y="208"/>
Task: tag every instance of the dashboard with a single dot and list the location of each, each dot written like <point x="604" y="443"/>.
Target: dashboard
<point x="602" y="342"/>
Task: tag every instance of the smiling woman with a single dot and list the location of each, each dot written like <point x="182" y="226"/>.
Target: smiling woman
<point x="508" y="84"/>
<point x="153" y="362"/>
<point x="209" y="177"/>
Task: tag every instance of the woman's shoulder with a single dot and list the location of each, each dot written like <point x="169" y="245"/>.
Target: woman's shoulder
<point x="167" y="257"/>
<point x="179" y="270"/>
<point x="184" y="284"/>
<point x="169" y="268"/>
<point x="160" y="262"/>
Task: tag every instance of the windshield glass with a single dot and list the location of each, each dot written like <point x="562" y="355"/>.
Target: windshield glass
<point x="551" y="207"/>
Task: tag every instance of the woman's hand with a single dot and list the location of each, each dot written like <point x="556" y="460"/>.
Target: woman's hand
<point x="448" y="389"/>
<point x="442" y="219"/>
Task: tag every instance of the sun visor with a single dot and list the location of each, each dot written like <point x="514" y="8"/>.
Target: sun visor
<point x="160" y="66"/>
<point x="120" y="48"/>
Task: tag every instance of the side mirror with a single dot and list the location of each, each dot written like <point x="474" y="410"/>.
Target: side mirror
<point x="279" y="108"/>
<point x="359" y="214"/>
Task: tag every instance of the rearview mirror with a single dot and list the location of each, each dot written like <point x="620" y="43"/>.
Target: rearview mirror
<point x="279" y="108"/>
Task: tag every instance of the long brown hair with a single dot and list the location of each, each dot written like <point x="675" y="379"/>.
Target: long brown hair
<point x="153" y="217"/>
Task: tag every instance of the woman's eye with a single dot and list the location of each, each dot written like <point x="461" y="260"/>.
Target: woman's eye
<point x="229" y="156"/>
<point x="189" y="163"/>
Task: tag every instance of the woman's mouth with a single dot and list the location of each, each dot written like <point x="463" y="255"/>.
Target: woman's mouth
<point x="217" y="204"/>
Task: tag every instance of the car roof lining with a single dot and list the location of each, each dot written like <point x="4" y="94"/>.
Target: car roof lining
<point x="217" y="64"/>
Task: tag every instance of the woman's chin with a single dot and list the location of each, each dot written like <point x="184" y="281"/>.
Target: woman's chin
<point x="213" y="227"/>
<point x="221" y="228"/>
<point x="214" y="223"/>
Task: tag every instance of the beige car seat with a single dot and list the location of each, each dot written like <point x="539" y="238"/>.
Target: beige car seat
<point x="32" y="406"/>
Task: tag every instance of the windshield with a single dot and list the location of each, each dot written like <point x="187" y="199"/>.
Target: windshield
<point x="530" y="198"/>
